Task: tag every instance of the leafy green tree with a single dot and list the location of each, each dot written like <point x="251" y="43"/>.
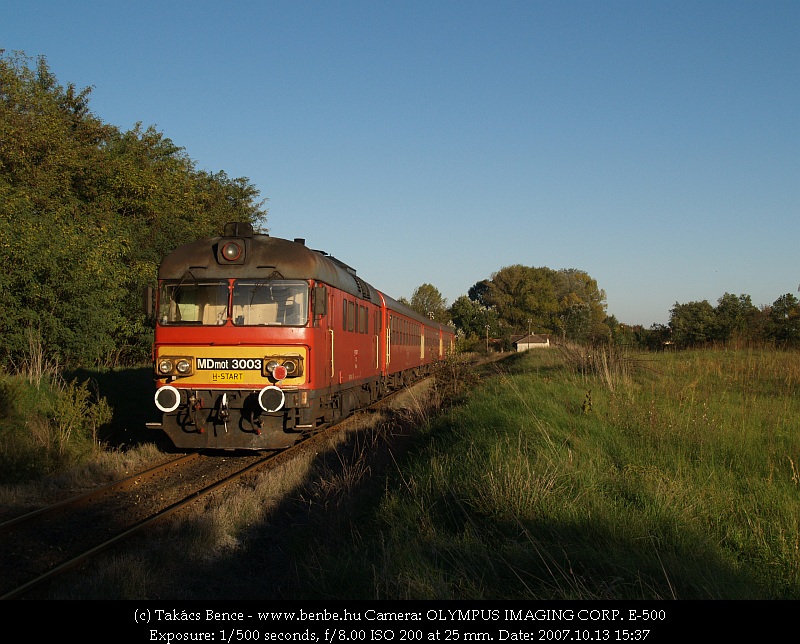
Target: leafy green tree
<point x="477" y="293"/>
<point x="86" y="213"/>
<point x="471" y="318"/>
<point x="784" y="321"/>
<point x="428" y="301"/>
<point x="734" y="317"/>
<point x="62" y="277"/>
<point x="582" y="306"/>
<point x="527" y="299"/>
<point x="523" y="296"/>
<point x="692" y="324"/>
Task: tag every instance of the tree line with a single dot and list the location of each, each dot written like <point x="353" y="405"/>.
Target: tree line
<point x="568" y="305"/>
<point x="520" y="300"/>
<point x="86" y="213"/>
<point x="88" y="210"/>
<point x="735" y="320"/>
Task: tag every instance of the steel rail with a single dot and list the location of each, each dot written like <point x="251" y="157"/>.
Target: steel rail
<point x="79" y="559"/>
<point x="89" y="495"/>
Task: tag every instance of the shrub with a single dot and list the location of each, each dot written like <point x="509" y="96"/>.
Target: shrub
<point x="47" y="426"/>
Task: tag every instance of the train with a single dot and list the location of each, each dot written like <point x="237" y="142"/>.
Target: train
<point x="260" y="341"/>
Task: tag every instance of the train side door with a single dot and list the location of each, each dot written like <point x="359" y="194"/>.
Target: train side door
<point x="329" y="339"/>
<point x="383" y="337"/>
<point x="324" y="317"/>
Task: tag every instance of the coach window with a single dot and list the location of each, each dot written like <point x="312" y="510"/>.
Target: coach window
<point x="270" y="302"/>
<point x="362" y="319"/>
<point x="351" y="316"/>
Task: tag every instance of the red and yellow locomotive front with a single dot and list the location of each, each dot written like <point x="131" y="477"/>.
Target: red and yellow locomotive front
<point x="238" y="318"/>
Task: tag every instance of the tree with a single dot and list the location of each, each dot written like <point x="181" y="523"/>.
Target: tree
<point x="428" y="301"/>
<point x="529" y="299"/>
<point x="477" y="292"/>
<point x="471" y="319"/>
<point x="521" y="293"/>
<point x="582" y="306"/>
<point x="732" y="316"/>
<point x="784" y="321"/>
<point x="86" y="213"/>
<point x="692" y="324"/>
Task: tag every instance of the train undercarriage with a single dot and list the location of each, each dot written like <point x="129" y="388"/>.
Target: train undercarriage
<point x="235" y="419"/>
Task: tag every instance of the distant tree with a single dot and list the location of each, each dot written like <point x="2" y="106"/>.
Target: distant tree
<point x="657" y="337"/>
<point x="477" y="292"/>
<point x="783" y="325"/>
<point x="692" y="324"/>
<point x="471" y="319"/>
<point x="732" y="316"/>
<point x="523" y="297"/>
<point x="582" y="306"/>
<point x="428" y="301"/>
<point x="527" y="299"/>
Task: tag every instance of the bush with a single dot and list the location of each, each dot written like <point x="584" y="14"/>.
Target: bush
<point x="47" y="426"/>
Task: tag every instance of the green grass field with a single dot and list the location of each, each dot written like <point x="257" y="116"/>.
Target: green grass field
<point x="555" y="474"/>
<point x="566" y="474"/>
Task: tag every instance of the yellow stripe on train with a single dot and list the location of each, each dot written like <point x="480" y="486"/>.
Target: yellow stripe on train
<point x="210" y="366"/>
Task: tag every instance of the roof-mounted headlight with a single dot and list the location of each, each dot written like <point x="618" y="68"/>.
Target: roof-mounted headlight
<point x="231" y="251"/>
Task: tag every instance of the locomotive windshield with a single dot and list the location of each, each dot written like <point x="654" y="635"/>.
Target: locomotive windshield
<point x="271" y="302"/>
<point x="185" y="302"/>
<point x="255" y="302"/>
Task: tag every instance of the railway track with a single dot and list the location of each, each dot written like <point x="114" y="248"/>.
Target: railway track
<point x="38" y="547"/>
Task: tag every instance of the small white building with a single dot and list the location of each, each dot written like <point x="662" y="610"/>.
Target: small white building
<point x="532" y="341"/>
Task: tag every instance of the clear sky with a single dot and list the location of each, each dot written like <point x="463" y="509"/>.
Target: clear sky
<point x="654" y="145"/>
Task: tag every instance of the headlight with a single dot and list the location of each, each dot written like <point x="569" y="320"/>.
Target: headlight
<point x="280" y="367"/>
<point x="174" y="366"/>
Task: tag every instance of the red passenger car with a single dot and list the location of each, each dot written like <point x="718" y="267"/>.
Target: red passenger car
<point x="260" y="339"/>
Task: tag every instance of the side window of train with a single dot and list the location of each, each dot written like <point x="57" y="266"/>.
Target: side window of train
<point x="320" y="301"/>
<point x="344" y="314"/>
<point x="351" y="316"/>
<point x="362" y="319"/>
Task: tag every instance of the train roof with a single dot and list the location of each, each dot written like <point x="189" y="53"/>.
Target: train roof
<point x="271" y="258"/>
<point x="264" y="257"/>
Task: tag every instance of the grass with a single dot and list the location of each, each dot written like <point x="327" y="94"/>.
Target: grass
<point x="562" y="474"/>
<point x="47" y="426"/>
<point x="677" y="480"/>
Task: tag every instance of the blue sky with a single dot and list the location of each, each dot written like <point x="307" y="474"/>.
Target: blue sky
<point x="654" y="145"/>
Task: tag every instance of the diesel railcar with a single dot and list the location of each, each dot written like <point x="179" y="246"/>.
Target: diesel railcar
<point x="259" y="340"/>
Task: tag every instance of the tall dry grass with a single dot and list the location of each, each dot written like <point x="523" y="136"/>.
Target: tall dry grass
<point x="594" y="474"/>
